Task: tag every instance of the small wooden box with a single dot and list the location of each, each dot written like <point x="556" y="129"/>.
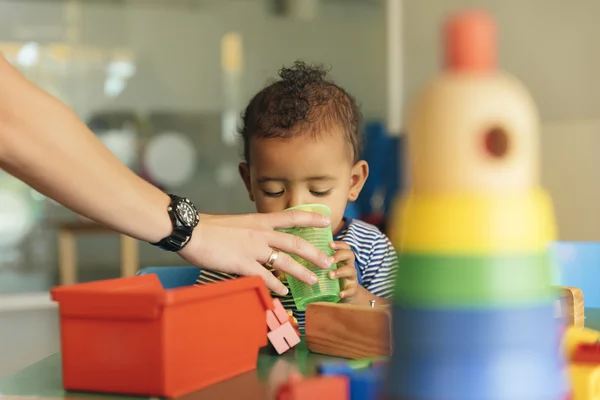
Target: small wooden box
<point x="349" y="331"/>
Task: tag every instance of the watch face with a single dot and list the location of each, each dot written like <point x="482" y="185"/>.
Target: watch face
<point x="187" y="214"/>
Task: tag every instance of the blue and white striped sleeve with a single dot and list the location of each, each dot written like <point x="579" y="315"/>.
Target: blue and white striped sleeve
<point x="381" y="267"/>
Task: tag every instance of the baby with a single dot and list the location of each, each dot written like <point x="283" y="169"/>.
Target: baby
<point x="301" y="146"/>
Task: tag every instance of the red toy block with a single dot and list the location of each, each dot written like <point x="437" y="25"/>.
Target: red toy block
<point x="280" y="312"/>
<point x="318" y="388"/>
<point x="130" y="336"/>
<point x="283" y="338"/>
<point x="587" y="353"/>
<point x="272" y="321"/>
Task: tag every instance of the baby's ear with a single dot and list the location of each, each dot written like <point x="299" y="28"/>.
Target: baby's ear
<point x="244" y="170"/>
<point x="358" y="177"/>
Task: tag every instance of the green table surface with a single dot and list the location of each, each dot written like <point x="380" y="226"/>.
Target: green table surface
<point x="44" y="378"/>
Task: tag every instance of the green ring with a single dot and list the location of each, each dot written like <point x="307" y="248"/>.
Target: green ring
<point x="463" y="281"/>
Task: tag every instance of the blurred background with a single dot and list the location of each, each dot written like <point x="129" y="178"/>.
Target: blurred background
<point x="163" y="82"/>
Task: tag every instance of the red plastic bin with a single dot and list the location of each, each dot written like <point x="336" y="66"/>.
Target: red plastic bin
<point x="130" y="336"/>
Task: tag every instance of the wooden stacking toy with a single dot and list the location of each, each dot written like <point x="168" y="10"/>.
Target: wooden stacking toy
<point x="473" y="314"/>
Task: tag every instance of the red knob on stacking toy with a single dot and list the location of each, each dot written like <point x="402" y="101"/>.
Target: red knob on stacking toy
<point x="470" y="41"/>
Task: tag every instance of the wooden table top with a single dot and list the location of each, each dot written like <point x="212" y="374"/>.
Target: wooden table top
<point x="43" y="380"/>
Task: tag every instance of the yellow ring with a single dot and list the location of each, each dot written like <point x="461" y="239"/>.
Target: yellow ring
<point x="475" y="224"/>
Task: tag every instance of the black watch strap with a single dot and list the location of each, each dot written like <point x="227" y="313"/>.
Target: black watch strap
<point x="177" y="241"/>
<point x="182" y="232"/>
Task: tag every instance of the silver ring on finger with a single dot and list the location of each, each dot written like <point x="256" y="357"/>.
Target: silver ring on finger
<point x="272" y="258"/>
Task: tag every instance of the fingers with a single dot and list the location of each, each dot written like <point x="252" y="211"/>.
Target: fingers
<point x="296" y="218"/>
<point x="342" y="257"/>
<point x="295" y="245"/>
<point x="339" y="245"/>
<point x="287" y="264"/>
<point x="271" y="280"/>
<point x="349" y="291"/>
<point x="349" y="281"/>
<point x="347" y="272"/>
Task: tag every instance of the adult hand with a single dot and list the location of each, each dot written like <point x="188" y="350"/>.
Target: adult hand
<point x="242" y="244"/>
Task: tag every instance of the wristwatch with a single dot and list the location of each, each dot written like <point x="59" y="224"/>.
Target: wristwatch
<point x="184" y="218"/>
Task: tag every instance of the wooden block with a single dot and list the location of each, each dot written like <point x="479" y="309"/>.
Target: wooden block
<point x="278" y="342"/>
<point x="280" y="312"/>
<point x="572" y="306"/>
<point x="283" y="338"/>
<point x="272" y="321"/>
<point x="289" y="334"/>
<point x="349" y="331"/>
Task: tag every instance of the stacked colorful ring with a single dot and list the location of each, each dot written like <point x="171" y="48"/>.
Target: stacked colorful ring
<point x="466" y="323"/>
<point x="473" y="312"/>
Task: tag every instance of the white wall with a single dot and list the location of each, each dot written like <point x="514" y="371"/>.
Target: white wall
<point x="177" y="52"/>
<point x="178" y="47"/>
<point x="549" y="44"/>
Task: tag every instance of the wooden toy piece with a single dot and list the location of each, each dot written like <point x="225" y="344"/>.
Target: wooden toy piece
<point x="318" y="388"/>
<point x="585" y="381"/>
<point x="284" y="333"/>
<point x="278" y="342"/>
<point x="272" y="321"/>
<point x="572" y="306"/>
<point x="350" y="331"/>
<point x="284" y="337"/>
<point x="280" y="312"/>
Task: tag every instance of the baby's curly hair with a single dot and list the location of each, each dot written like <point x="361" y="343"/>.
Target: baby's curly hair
<point x="302" y="102"/>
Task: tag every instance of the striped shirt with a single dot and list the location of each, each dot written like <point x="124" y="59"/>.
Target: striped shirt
<point x="375" y="264"/>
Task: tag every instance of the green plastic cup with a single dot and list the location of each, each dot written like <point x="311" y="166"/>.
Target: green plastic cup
<point x="326" y="289"/>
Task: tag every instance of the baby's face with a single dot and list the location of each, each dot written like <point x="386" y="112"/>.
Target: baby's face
<point x="304" y="170"/>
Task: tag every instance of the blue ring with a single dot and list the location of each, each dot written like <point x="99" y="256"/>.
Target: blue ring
<point x="511" y="376"/>
<point x="477" y="354"/>
<point x="476" y="330"/>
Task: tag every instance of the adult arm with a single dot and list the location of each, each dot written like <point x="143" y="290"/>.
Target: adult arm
<point x="43" y="143"/>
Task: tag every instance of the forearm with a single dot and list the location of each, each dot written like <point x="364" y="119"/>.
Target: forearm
<point x="44" y="144"/>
